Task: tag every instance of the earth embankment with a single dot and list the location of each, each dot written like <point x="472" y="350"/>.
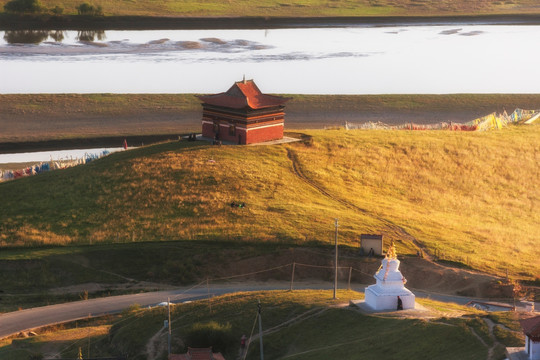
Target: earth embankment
<point x="33" y="122"/>
<point x="131" y="22"/>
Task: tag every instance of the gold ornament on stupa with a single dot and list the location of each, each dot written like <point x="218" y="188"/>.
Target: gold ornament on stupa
<point x="391" y="253"/>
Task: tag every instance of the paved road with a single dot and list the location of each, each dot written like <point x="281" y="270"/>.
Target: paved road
<point x="17" y="321"/>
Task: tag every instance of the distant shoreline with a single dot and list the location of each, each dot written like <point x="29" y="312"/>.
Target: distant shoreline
<point x="73" y="22"/>
<point x="35" y="122"/>
<point x="84" y="143"/>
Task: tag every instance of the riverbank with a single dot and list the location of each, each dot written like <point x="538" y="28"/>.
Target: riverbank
<point x="83" y="143"/>
<point x="129" y="22"/>
<point x="35" y="122"/>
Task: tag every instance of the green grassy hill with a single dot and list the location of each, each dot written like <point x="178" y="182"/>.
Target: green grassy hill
<point x="470" y="197"/>
<point x="303" y="324"/>
<point x="301" y="8"/>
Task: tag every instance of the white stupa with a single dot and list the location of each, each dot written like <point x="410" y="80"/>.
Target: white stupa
<point x="390" y="285"/>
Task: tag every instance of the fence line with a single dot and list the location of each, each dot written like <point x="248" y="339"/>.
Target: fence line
<point x="487" y="122"/>
<point x="45" y="166"/>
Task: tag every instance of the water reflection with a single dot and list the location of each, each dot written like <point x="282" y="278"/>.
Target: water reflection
<point x="57" y="35"/>
<point x="38" y="36"/>
<point x="31" y="36"/>
<point x="91" y="35"/>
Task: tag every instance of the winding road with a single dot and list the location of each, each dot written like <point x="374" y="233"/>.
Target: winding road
<point x="15" y="322"/>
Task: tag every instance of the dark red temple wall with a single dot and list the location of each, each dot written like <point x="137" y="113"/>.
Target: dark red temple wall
<point x="256" y="135"/>
<point x="208" y="130"/>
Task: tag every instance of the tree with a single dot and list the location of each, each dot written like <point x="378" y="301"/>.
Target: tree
<point x="89" y="9"/>
<point x="219" y="336"/>
<point x="57" y="10"/>
<point x="23" y="6"/>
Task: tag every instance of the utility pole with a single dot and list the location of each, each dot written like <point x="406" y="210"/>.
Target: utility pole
<point x="88" y="352"/>
<point x="169" y="321"/>
<point x="335" y="263"/>
<point x="350" y="274"/>
<point x="259" y="307"/>
<point x="292" y="276"/>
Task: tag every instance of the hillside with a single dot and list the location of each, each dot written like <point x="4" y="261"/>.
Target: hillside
<point x="296" y="325"/>
<point x="469" y="197"/>
<point x="302" y="8"/>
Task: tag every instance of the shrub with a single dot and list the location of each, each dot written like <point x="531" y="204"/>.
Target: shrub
<point x="89" y="9"/>
<point x="23" y="6"/>
<point x="218" y="336"/>
<point x="57" y="10"/>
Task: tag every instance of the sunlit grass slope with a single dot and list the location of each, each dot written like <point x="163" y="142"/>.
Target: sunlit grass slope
<point x="173" y="191"/>
<point x="472" y="195"/>
<point x="305" y="326"/>
<point x="299" y="7"/>
<point x="465" y="195"/>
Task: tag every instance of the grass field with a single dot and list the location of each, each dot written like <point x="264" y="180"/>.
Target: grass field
<point x="463" y="194"/>
<point x="472" y="197"/>
<point x="302" y="8"/>
<point x="301" y="325"/>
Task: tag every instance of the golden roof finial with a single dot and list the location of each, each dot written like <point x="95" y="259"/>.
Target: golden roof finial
<point x="391" y="253"/>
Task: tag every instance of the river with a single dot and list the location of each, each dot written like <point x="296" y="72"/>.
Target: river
<point x="55" y="155"/>
<point x="341" y="60"/>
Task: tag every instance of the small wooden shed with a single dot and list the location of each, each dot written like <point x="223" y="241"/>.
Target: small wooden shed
<point x="531" y="329"/>
<point x="371" y="243"/>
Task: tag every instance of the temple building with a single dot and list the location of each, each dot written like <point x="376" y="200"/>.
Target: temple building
<point x="531" y="351"/>
<point x="389" y="293"/>
<point x="243" y="115"/>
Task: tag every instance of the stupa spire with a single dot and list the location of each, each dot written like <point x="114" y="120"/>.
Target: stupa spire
<point x="389" y="293"/>
<point x="391" y="253"/>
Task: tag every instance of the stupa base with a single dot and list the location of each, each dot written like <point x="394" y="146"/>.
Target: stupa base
<point x="379" y="299"/>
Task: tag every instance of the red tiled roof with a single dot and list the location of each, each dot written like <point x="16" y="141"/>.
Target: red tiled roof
<point x="178" y="357"/>
<point x="197" y="354"/>
<point x="243" y="94"/>
<point x="531" y="327"/>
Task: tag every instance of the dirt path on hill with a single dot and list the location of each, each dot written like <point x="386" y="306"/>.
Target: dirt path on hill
<point x="423" y="273"/>
<point x="393" y="228"/>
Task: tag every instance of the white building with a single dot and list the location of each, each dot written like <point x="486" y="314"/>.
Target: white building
<point x="531" y="328"/>
<point x="390" y="287"/>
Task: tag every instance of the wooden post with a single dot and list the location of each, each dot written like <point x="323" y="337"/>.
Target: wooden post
<point x="208" y="291"/>
<point x="350" y="273"/>
<point x="260" y="329"/>
<point x="169" y="323"/>
<point x="292" y="276"/>
<point x="336" y="263"/>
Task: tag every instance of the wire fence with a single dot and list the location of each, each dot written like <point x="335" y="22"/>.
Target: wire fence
<point x="293" y="268"/>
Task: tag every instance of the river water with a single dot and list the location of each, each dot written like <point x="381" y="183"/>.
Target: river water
<point x="54" y="155"/>
<point x="344" y="60"/>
